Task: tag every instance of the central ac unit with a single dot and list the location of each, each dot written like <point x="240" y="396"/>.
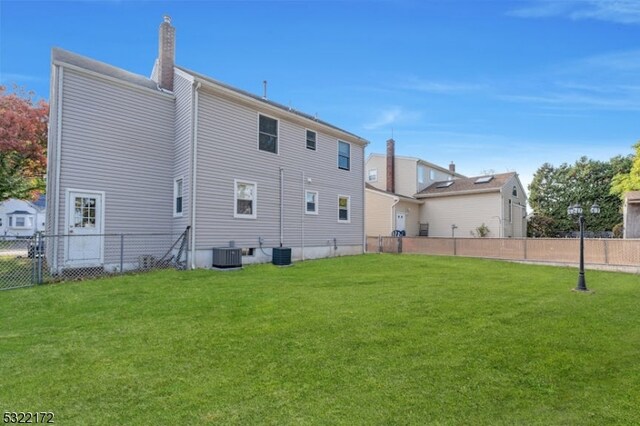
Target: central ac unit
<point x="227" y="257"/>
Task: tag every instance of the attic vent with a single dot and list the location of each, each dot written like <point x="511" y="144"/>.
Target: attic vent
<point x="445" y="184"/>
<point x="484" y="179"/>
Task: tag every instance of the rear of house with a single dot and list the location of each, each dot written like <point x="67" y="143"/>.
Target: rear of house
<point x="130" y="154"/>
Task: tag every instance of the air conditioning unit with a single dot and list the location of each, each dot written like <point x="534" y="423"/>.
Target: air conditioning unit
<point x="227" y="257"/>
<point x="281" y="256"/>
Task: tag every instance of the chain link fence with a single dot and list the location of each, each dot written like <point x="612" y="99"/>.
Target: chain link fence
<point x="49" y="258"/>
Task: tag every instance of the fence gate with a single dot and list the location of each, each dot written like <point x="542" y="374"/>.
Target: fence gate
<point x="18" y="262"/>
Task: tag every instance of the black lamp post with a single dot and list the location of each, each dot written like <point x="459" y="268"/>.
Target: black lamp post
<point x="573" y="211"/>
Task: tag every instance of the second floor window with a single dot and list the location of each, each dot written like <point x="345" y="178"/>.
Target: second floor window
<point x="373" y="175"/>
<point x="344" y="155"/>
<point x="311" y="139"/>
<point x="268" y="134"/>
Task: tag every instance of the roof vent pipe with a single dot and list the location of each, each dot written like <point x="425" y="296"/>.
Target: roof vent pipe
<point x="264" y="89"/>
<point x="452" y="167"/>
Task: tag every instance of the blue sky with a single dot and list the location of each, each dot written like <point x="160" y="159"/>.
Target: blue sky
<point x="492" y="85"/>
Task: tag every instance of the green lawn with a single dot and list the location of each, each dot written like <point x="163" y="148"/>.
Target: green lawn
<point x="375" y="339"/>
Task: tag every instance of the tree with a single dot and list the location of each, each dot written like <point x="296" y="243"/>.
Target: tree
<point x="23" y="144"/>
<point x="586" y="181"/>
<point x="627" y="181"/>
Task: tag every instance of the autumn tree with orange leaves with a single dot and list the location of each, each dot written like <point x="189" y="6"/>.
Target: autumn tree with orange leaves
<point x="23" y="144"/>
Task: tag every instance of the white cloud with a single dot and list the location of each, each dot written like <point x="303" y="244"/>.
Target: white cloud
<point x="620" y="11"/>
<point x="392" y="115"/>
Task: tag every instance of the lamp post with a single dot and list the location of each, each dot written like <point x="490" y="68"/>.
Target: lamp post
<point x="573" y="211"/>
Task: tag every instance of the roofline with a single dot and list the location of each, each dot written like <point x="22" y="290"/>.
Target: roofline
<point x="419" y="160"/>
<point x="467" y="192"/>
<point x="396" y="197"/>
<point x="250" y="98"/>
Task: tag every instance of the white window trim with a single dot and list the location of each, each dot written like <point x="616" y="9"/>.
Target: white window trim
<point x="236" y="215"/>
<point x="338" y="154"/>
<point x="369" y="175"/>
<point x="305" y="139"/>
<point x="277" y="136"/>
<point x="348" y="197"/>
<point x="317" y="202"/>
<point x="175" y="187"/>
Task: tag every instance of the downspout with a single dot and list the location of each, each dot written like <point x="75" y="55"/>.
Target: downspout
<point x="364" y="206"/>
<point x="281" y="206"/>
<point x="501" y="230"/>
<point x="56" y="211"/>
<point x="194" y="162"/>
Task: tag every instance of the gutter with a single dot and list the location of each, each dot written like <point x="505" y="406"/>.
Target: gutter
<point x="194" y="162"/>
<point x="450" y="194"/>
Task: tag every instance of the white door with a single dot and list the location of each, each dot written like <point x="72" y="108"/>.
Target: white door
<point x="400" y="221"/>
<point x="84" y="245"/>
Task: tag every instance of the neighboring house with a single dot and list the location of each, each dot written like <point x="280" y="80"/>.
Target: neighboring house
<point x="129" y="154"/>
<point x="496" y="201"/>
<point x="21" y="218"/>
<point x="420" y="198"/>
<point x="631" y="211"/>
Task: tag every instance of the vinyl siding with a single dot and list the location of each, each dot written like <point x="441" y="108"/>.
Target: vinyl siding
<point x="379" y="213"/>
<point x="183" y="90"/>
<point x="467" y="212"/>
<point x="228" y="150"/>
<point x="517" y="226"/>
<point x="379" y="163"/>
<point x="118" y="139"/>
<point x="406" y="177"/>
<point x="411" y="219"/>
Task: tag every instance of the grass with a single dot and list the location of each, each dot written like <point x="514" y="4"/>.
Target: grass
<point x="375" y="339"/>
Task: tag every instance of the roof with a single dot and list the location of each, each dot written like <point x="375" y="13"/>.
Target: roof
<point x="467" y="185"/>
<point x="632" y="196"/>
<point x="268" y="102"/>
<point x="393" y="194"/>
<point x="40" y="203"/>
<point x="19" y="212"/>
<point x="63" y="56"/>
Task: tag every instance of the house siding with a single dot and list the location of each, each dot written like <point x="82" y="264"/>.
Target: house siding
<point x="377" y="162"/>
<point x="379" y="214"/>
<point x="182" y="148"/>
<point x="228" y="149"/>
<point x="467" y="212"/>
<point x="117" y="139"/>
<point x="517" y="227"/>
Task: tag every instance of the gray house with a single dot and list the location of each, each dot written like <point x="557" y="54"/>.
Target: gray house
<point x="130" y="154"/>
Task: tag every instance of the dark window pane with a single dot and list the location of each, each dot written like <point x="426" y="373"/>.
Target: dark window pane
<point x="311" y="139"/>
<point x="344" y="214"/>
<point x="343" y="162"/>
<point x="268" y="143"/>
<point x="268" y="125"/>
<point x="311" y="207"/>
<point x="179" y="205"/>
<point x="344" y="149"/>
<point x="245" y="207"/>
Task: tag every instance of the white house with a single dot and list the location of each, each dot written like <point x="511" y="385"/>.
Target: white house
<point x="130" y="154"/>
<point x="21" y="218"/>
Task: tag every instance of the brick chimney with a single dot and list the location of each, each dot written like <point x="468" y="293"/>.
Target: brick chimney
<point x="166" y="54"/>
<point x="391" y="162"/>
<point x="452" y="167"/>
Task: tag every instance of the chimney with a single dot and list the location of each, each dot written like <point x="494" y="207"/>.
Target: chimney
<point x="391" y="161"/>
<point x="166" y="54"/>
<point x="452" y="167"/>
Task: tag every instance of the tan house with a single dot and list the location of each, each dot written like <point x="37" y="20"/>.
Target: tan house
<point x="413" y="196"/>
<point x="631" y="211"/>
<point x="459" y="207"/>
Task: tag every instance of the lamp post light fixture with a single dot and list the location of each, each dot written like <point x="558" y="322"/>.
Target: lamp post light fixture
<point x="573" y="211"/>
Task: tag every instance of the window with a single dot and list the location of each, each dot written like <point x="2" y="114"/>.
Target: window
<point x="373" y="175"/>
<point x="268" y="134"/>
<point x="245" y="198"/>
<point x="10" y="221"/>
<point x="422" y="174"/>
<point x="344" y="156"/>
<point x="311" y="139"/>
<point x="484" y="179"/>
<point x="20" y="222"/>
<point x="514" y="192"/>
<point x="248" y="251"/>
<point x="311" y="202"/>
<point x="0" y="221"/>
<point x="177" y="197"/>
<point x="344" y="204"/>
<point x="445" y="184"/>
<point x="432" y="174"/>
